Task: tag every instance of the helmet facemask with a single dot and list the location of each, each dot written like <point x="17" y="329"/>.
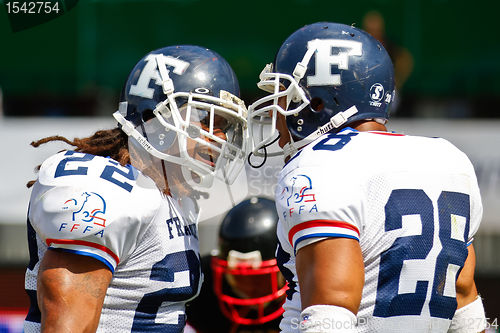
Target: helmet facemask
<point x="264" y="112"/>
<point x="250" y="291"/>
<point x="202" y="134"/>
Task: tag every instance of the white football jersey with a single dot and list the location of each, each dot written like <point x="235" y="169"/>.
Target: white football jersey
<point x="93" y="206"/>
<point x="412" y="202"/>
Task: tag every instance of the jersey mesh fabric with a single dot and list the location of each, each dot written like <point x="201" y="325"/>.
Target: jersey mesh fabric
<point x="406" y="197"/>
<point x="157" y="268"/>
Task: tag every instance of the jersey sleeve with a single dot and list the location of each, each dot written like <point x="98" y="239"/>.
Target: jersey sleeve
<point x="314" y="204"/>
<point x="88" y="215"/>
<point x="476" y="206"/>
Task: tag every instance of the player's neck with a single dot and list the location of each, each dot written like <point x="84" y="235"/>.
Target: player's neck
<point x="369" y="125"/>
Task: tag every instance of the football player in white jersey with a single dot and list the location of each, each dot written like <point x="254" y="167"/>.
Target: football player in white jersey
<point x="375" y="228"/>
<point x="112" y="224"/>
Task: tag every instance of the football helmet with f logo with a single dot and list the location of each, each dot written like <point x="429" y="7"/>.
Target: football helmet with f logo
<point x="325" y="76"/>
<point x="181" y="105"/>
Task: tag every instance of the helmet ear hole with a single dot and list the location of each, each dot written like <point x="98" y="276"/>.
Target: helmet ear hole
<point x="317" y="104"/>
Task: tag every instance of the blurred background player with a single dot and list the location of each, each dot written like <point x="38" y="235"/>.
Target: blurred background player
<point x="112" y="224"/>
<point x="377" y="227"/>
<point x="243" y="289"/>
<point x="374" y="24"/>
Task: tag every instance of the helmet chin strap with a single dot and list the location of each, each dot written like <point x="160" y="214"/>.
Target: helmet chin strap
<point x="339" y="119"/>
<point x="289" y="149"/>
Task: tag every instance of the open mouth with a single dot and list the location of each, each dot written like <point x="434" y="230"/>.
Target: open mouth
<point x="206" y="156"/>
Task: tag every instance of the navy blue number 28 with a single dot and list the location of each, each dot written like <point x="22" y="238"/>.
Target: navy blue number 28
<point x="403" y="202"/>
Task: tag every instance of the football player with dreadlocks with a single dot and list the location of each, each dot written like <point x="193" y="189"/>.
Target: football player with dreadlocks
<point x="112" y="223"/>
<point x="377" y="227"/>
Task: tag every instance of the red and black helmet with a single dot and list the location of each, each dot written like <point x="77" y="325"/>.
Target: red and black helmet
<point x="247" y="280"/>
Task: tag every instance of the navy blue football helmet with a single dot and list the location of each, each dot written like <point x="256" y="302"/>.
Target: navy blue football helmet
<point x="332" y="75"/>
<point x="181" y="104"/>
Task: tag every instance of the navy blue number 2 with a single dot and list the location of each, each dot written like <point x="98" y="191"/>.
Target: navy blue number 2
<point x="108" y="173"/>
<point x="110" y="170"/>
<point x="62" y="170"/>
<point x="451" y="205"/>
<point x="181" y="271"/>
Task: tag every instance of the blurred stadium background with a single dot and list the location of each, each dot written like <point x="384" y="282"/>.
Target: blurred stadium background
<point x="64" y="77"/>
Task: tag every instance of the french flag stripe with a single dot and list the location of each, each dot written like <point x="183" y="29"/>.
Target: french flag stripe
<point x="327" y="234"/>
<point x="322" y="226"/>
<point x="102" y="248"/>
<point x="88" y="254"/>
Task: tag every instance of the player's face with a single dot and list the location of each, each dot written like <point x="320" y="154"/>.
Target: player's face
<point x="252" y="286"/>
<point x="281" y="124"/>
<point x="200" y="151"/>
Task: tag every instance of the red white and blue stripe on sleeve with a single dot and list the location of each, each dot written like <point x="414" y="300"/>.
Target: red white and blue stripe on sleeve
<point x="97" y="251"/>
<point x="321" y="228"/>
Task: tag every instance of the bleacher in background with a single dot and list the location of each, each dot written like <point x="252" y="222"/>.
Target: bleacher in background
<point x="76" y="64"/>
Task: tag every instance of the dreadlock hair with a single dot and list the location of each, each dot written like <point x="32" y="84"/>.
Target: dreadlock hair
<point x="111" y="142"/>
